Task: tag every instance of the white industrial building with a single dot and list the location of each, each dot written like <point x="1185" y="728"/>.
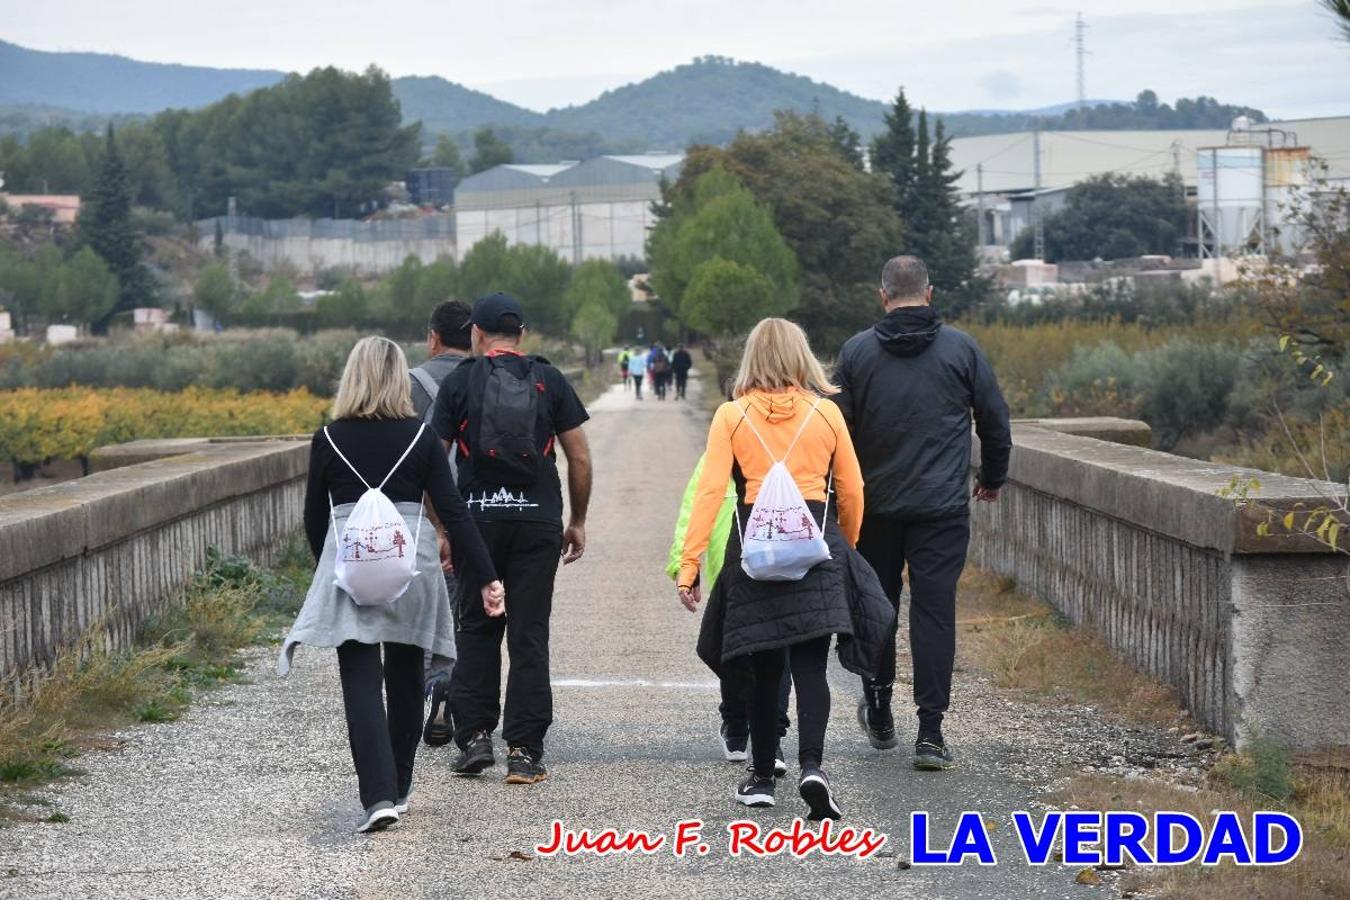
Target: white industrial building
<point x="597" y="209"/>
<point x="1259" y="169"/>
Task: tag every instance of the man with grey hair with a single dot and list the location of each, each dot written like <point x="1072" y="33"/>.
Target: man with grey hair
<point x="911" y="386"/>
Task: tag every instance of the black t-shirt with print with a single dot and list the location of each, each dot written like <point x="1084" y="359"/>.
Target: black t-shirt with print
<point x="562" y="410"/>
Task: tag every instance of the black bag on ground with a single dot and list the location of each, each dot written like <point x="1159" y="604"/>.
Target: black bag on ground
<point x="507" y="450"/>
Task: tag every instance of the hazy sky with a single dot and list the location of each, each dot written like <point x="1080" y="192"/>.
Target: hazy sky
<point x="955" y="54"/>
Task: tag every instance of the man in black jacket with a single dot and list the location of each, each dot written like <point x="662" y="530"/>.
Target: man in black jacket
<point x="910" y="386"/>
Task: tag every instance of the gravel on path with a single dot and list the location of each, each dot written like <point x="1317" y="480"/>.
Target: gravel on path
<point x="252" y="793"/>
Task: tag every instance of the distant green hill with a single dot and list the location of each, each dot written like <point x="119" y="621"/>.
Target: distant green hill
<point x="107" y="84"/>
<point x="705" y="101"/>
<point x="443" y="106"/>
<point x="708" y="101"/>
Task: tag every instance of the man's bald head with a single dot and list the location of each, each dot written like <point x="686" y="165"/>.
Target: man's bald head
<point x="904" y="281"/>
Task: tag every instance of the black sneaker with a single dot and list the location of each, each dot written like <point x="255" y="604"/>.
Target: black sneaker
<point x="733" y="746"/>
<point x="931" y="754"/>
<point x="439" y="729"/>
<point x="475" y="756"/>
<point x="815" y="790"/>
<point x="878" y="725"/>
<point x="755" y="791"/>
<point x="779" y="765"/>
<point x="523" y="768"/>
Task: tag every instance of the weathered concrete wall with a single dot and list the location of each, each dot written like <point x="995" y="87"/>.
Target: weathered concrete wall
<point x="116" y="547"/>
<point x="1138" y="545"/>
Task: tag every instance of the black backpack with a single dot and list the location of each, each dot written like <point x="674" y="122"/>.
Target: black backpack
<point x="506" y="450"/>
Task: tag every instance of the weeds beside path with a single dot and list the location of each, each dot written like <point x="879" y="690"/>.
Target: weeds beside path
<point x="1026" y="647"/>
<point x="91" y="692"/>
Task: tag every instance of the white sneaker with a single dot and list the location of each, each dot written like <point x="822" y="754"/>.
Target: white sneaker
<point x="378" y="818"/>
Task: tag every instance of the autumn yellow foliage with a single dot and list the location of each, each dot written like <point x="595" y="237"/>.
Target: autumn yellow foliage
<point x="38" y="425"/>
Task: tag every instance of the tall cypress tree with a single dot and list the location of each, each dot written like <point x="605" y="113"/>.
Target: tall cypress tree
<point x="925" y="197"/>
<point x="952" y="240"/>
<point x="893" y="153"/>
<point x="107" y="228"/>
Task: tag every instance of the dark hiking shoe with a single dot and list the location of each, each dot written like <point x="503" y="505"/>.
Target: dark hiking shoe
<point x="733" y="746"/>
<point x="815" y="790"/>
<point x="523" y="768"/>
<point x="475" y="756"/>
<point x="878" y="725"/>
<point x="439" y="729"/>
<point x="755" y="791"/>
<point x="931" y="754"/>
<point x="377" y="818"/>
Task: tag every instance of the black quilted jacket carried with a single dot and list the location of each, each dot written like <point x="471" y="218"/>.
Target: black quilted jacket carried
<point x="841" y="596"/>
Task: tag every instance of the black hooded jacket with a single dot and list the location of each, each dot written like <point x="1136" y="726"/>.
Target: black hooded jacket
<point x="910" y="387"/>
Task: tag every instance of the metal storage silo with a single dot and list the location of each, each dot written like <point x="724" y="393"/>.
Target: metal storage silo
<point x="1288" y="175"/>
<point x="1230" y="198"/>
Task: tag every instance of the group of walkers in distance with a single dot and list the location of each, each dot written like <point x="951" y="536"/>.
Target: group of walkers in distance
<point x="659" y="366"/>
<point x="814" y="496"/>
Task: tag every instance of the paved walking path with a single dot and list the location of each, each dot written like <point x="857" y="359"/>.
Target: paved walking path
<point x="252" y="794"/>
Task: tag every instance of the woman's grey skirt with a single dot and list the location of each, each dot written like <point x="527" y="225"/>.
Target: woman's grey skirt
<point x="420" y="617"/>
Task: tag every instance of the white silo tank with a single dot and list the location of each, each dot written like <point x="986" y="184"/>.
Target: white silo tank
<point x="1230" y="197"/>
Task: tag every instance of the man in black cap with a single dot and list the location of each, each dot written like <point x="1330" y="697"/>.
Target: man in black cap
<point x="502" y="417"/>
<point x="911" y="386"/>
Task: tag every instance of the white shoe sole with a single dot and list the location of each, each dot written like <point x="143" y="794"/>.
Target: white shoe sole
<point x="818" y="796"/>
<point x="756" y="800"/>
<point x="731" y="755"/>
<point x="378" y="821"/>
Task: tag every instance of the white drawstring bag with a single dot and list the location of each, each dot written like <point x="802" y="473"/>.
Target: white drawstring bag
<point x="781" y="541"/>
<point x="375" y="561"/>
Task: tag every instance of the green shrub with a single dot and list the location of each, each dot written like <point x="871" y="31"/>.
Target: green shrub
<point x="1262" y="773"/>
<point x="1187" y="387"/>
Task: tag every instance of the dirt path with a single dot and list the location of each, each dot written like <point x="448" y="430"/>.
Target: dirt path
<point x="252" y="793"/>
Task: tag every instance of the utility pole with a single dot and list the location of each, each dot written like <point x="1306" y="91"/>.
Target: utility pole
<point x="1037" y="221"/>
<point x="979" y="201"/>
<point x="1176" y="169"/>
<point x="576" y="231"/>
<point x="1080" y="45"/>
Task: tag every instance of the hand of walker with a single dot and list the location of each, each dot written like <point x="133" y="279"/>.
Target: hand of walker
<point x="447" y="561"/>
<point x="494" y="599"/>
<point x="690" y="597"/>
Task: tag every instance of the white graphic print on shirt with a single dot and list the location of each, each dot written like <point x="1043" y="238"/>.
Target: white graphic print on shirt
<point x="502" y="499"/>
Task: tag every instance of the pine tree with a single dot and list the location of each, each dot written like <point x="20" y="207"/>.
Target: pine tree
<point x="107" y="228"/>
<point x="942" y="236"/>
<point x="893" y="153"/>
<point x="925" y="198"/>
<point x="849" y="142"/>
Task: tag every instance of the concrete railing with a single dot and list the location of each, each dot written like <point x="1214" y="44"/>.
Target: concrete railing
<point x="1251" y="629"/>
<point x="112" y="549"/>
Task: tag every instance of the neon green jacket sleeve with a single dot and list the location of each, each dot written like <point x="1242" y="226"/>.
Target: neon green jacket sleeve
<point x="720" y="535"/>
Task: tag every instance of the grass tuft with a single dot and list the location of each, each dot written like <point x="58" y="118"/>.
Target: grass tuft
<point x="1262" y="774"/>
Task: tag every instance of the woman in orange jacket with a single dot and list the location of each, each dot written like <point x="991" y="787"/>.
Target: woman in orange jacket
<point x="781" y="409"/>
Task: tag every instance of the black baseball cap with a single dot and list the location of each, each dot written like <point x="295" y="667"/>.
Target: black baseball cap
<point x="498" y="314"/>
